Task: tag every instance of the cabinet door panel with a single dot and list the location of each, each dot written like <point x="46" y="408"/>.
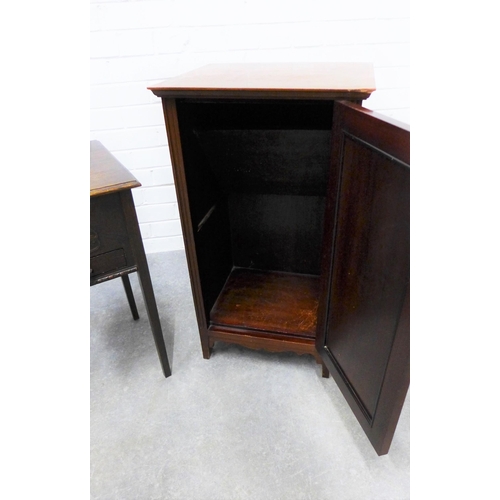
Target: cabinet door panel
<point x="365" y="339"/>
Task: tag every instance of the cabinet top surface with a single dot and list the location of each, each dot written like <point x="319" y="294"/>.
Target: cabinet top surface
<point x="107" y="174"/>
<point x="280" y="79"/>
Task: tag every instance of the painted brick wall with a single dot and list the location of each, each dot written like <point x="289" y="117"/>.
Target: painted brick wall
<point x="134" y="44"/>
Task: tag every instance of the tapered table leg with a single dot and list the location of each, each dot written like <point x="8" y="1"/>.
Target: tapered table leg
<point x="154" y="319"/>
<point x="130" y="296"/>
<point x="145" y="279"/>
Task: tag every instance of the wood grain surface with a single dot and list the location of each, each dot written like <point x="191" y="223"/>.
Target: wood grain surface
<point x="107" y="174"/>
<point x="332" y="80"/>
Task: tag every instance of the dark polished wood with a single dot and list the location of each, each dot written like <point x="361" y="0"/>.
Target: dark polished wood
<point x="366" y="335"/>
<point x="268" y="301"/>
<point x="130" y="296"/>
<point x="263" y="191"/>
<point x="107" y="174"/>
<point x="181" y="189"/>
<point x="116" y="247"/>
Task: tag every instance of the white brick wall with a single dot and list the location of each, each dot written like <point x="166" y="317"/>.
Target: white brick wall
<point x="134" y="44"/>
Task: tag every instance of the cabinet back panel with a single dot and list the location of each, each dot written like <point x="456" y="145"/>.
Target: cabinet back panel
<point x="262" y="147"/>
<point x="268" y="161"/>
<point x="254" y="114"/>
<point x="277" y="232"/>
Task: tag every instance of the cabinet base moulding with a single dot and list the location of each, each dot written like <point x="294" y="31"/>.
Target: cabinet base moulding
<point x="263" y="341"/>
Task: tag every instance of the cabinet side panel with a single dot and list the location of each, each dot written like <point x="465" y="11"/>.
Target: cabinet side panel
<point x="214" y="254"/>
<point x="174" y="141"/>
<point x="208" y="208"/>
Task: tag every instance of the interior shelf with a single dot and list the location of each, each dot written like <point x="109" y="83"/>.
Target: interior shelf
<point x="268" y="301"/>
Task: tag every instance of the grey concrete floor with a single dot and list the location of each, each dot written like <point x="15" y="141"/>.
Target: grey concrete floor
<point x="243" y="425"/>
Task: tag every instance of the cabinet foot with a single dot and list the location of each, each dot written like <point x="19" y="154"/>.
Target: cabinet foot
<point x="324" y="371"/>
<point x="207" y="348"/>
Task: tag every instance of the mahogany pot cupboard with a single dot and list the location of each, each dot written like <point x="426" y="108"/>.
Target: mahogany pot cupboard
<point x="294" y="204"/>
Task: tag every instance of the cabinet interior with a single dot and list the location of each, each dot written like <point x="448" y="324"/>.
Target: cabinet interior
<point x="256" y="177"/>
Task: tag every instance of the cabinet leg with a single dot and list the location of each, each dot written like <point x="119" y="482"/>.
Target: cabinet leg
<point x="130" y="296"/>
<point x="324" y="370"/>
<point x="206" y="347"/>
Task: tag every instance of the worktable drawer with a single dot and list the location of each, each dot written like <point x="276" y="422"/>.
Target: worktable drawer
<point x="108" y="230"/>
<point x="107" y="262"/>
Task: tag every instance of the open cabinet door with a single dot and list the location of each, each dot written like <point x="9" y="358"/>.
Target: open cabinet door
<point x="364" y="336"/>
